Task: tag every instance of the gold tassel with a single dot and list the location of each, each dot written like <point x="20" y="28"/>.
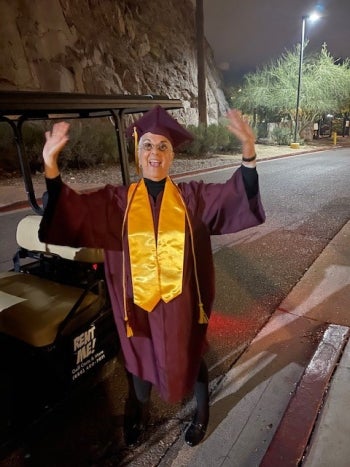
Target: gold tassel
<point x="136" y="147"/>
<point x="129" y="332"/>
<point x="203" y="318"/>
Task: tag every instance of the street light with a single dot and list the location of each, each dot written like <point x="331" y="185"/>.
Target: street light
<point x="312" y="17"/>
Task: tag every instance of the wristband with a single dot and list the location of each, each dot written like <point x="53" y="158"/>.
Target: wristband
<point x="249" y="159"/>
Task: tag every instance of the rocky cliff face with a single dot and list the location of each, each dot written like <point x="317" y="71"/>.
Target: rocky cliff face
<point x="106" y="46"/>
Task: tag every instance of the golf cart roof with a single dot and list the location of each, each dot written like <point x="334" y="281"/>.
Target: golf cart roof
<point x="31" y="105"/>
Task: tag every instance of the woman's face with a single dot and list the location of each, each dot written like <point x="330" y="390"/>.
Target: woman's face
<point x="155" y="156"/>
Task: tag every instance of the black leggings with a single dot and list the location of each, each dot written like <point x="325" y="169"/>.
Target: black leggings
<point x="141" y="389"/>
<point x="201" y="389"/>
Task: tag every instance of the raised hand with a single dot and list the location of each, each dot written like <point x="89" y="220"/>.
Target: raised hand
<point x="240" y="127"/>
<point x="56" y="139"/>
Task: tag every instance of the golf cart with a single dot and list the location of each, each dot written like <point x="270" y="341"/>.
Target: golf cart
<point x="56" y="323"/>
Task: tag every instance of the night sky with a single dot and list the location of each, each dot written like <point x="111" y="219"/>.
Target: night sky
<point x="247" y="34"/>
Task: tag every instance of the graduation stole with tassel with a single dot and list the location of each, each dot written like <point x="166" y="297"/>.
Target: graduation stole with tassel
<point x="157" y="261"/>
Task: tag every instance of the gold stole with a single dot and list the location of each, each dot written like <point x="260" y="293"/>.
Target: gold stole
<point x="157" y="261"/>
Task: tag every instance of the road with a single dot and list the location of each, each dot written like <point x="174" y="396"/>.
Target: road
<point x="307" y="202"/>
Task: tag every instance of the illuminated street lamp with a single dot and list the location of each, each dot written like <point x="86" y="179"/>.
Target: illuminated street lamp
<point x="313" y="17"/>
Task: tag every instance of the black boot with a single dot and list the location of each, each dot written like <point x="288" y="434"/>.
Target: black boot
<point x="136" y="417"/>
<point x="136" y="414"/>
<point x="198" y="427"/>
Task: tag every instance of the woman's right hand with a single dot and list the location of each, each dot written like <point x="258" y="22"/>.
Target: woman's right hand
<point x="56" y="139"/>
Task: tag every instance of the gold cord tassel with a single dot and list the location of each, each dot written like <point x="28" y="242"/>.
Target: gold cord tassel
<point x="136" y="147"/>
<point x="203" y="318"/>
<point x="129" y="331"/>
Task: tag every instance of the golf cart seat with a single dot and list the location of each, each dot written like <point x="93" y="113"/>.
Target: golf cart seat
<point x="33" y="307"/>
<point x="27" y="238"/>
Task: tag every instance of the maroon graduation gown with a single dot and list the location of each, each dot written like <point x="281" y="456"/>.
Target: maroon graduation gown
<point x="169" y="342"/>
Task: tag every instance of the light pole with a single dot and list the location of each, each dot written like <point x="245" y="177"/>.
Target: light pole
<point x="312" y="17"/>
<point x="301" y="56"/>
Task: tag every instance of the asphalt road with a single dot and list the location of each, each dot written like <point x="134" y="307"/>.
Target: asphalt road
<point x="306" y="199"/>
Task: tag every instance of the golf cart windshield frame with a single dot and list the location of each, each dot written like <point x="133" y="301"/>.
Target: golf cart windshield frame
<point x="18" y="107"/>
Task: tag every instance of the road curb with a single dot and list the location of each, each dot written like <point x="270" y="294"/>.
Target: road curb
<point x="16" y="206"/>
<point x="293" y="433"/>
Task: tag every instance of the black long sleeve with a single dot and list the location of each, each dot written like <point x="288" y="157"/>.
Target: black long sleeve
<point x="54" y="186"/>
<point x="250" y="180"/>
<point x="50" y="197"/>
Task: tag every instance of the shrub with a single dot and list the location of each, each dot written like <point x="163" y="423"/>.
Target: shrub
<point x="34" y="139"/>
<point x="261" y="130"/>
<point x="281" y="136"/>
<point x="91" y="142"/>
<point x="210" y="140"/>
<point x="8" y="155"/>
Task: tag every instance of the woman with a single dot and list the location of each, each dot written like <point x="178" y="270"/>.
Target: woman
<point x="158" y="260"/>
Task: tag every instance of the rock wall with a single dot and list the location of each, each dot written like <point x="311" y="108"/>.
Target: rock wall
<point x="106" y="47"/>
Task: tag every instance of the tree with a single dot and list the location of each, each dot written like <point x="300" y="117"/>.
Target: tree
<point x="271" y="91"/>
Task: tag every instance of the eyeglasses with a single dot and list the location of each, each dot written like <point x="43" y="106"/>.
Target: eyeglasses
<point x="162" y="147"/>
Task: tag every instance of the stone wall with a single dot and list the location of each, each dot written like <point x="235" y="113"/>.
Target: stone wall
<point x="106" y="47"/>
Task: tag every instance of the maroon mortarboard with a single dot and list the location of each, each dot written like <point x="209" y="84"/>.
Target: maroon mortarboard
<point x="159" y="122"/>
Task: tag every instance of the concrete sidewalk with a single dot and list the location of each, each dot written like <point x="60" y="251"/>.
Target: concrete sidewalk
<point x="286" y="401"/>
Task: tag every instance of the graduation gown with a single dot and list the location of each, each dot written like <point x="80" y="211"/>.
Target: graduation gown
<point x="168" y="343"/>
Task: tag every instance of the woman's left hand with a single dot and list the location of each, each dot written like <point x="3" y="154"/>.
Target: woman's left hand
<point x="239" y="126"/>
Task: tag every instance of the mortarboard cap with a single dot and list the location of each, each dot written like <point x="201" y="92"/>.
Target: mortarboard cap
<point x="159" y="122"/>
